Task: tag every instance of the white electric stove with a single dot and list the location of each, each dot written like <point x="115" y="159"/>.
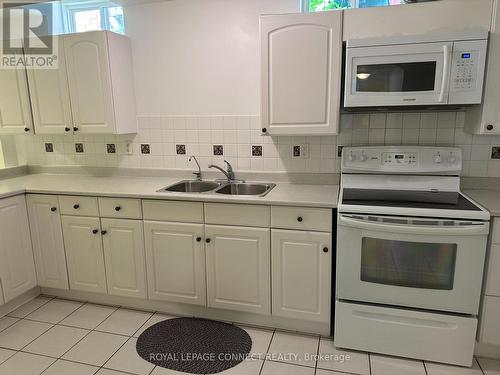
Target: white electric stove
<point x="411" y="251"/>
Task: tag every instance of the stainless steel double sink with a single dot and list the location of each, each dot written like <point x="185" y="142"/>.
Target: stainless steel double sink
<point x="220" y="187"/>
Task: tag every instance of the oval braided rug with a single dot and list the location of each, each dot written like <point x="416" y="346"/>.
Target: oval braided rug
<point x="197" y="346"/>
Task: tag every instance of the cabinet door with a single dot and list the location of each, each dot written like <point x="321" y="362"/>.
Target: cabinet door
<point x="123" y="242"/>
<point x="302" y="274"/>
<point x="47" y="240"/>
<point x="238" y="268"/>
<point x="17" y="269"/>
<point x="49" y="95"/>
<point x="89" y="82"/>
<point x="15" y="111"/>
<point x="82" y="239"/>
<point x="301" y="67"/>
<point x="175" y="258"/>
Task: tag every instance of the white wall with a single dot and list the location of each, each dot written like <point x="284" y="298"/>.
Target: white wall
<point x="198" y="57"/>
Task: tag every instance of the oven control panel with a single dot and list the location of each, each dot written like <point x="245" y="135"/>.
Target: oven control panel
<point x="402" y="159"/>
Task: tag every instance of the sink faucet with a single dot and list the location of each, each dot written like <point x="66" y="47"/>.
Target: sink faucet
<point x="229" y="173"/>
<point x="197" y="174"/>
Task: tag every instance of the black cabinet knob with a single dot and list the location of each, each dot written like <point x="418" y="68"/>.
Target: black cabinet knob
<point x="53" y="209"/>
<point x="75" y="128"/>
<point x="95" y="231"/>
<point x="325" y="249"/>
<point x="300" y="219"/>
<point x="198" y="239"/>
<point x="66" y="129"/>
<point x="118" y="208"/>
<point x="103" y="232"/>
<point x="489" y="127"/>
<point x="264" y="130"/>
<point x="207" y="240"/>
<point x="26" y="129"/>
<point x="76" y="206"/>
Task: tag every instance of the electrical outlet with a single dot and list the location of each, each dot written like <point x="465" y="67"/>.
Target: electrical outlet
<point x="495" y="152"/>
<point x="129" y="148"/>
<point x="300" y="151"/>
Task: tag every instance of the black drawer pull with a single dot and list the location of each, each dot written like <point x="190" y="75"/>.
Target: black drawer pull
<point x="300" y="219"/>
<point x="53" y="209"/>
<point x="207" y="240"/>
<point x="95" y="231"/>
<point x="118" y="208"/>
<point x="26" y="129"/>
<point x="76" y="206"/>
<point x="67" y="129"/>
<point x="489" y="127"/>
<point x="198" y="239"/>
<point x="325" y="249"/>
<point x="75" y="128"/>
<point x="103" y="232"/>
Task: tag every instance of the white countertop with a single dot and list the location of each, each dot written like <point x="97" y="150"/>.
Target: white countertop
<point x="146" y="187"/>
<point x="488" y="198"/>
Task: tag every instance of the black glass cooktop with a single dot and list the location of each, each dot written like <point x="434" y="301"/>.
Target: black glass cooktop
<point x="408" y="198"/>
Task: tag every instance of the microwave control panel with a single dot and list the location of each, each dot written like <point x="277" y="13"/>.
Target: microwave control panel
<point x="467" y="72"/>
<point x="402" y="159"/>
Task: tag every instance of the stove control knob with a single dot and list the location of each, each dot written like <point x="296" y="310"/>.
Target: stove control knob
<point x="363" y="157"/>
<point x="352" y="157"/>
<point x="437" y="159"/>
<point x="452" y="159"/>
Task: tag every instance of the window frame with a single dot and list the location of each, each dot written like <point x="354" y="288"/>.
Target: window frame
<point x="72" y="7"/>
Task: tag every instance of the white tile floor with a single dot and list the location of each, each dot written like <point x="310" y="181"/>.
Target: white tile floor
<point x="57" y="337"/>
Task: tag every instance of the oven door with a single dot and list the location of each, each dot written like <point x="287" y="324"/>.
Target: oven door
<point x="413" y="262"/>
<point x="398" y="75"/>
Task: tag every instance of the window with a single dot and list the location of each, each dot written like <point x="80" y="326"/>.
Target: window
<point x="320" y="5"/>
<point x="84" y="16"/>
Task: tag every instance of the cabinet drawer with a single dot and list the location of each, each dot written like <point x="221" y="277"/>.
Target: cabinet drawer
<point x="304" y="218"/>
<point x="434" y="336"/>
<point x="177" y="211"/>
<point x="493" y="276"/>
<point x="490" y="321"/>
<point x="238" y="214"/>
<point x="120" y="208"/>
<point x="78" y="206"/>
<point x="495" y="233"/>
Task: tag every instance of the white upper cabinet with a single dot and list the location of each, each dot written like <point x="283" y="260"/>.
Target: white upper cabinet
<point x="100" y="76"/>
<point x="47" y="239"/>
<point x="15" y="111"/>
<point x="485" y="119"/>
<point x="17" y="269"/>
<point x="49" y="94"/>
<point x="301" y="67"/>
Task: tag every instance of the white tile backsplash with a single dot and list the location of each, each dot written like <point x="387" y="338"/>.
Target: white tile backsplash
<point x="237" y="134"/>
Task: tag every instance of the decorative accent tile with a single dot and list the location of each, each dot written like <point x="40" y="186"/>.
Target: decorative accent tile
<point x="180" y="149"/>
<point x="339" y="151"/>
<point x="296" y="151"/>
<point x="256" y="150"/>
<point x="145" y="149"/>
<point x="495" y="152"/>
<point x="78" y="147"/>
<point x="111" y="148"/>
<point x="218" y="150"/>
<point x="49" y="147"/>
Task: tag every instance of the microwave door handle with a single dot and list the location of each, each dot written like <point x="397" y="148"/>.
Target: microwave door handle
<point x="415" y="229"/>
<point x="446" y="71"/>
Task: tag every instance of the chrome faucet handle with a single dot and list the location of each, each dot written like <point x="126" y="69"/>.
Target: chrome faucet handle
<point x="230" y="171"/>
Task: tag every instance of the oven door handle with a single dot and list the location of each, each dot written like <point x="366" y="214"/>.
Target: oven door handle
<point x="446" y="72"/>
<point x="463" y="230"/>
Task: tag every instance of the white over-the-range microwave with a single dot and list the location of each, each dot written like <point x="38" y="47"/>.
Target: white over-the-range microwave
<point x="428" y="70"/>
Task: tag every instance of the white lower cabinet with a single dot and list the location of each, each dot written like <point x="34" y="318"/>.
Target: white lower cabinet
<point x="490" y="321"/>
<point x="82" y="239"/>
<point x="123" y="242"/>
<point x="17" y="268"/>
<point x="301" y="268"/>
<point x="47" y="240"/>
<point x="175" y="257"/>
<point x="238" y="268"/>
